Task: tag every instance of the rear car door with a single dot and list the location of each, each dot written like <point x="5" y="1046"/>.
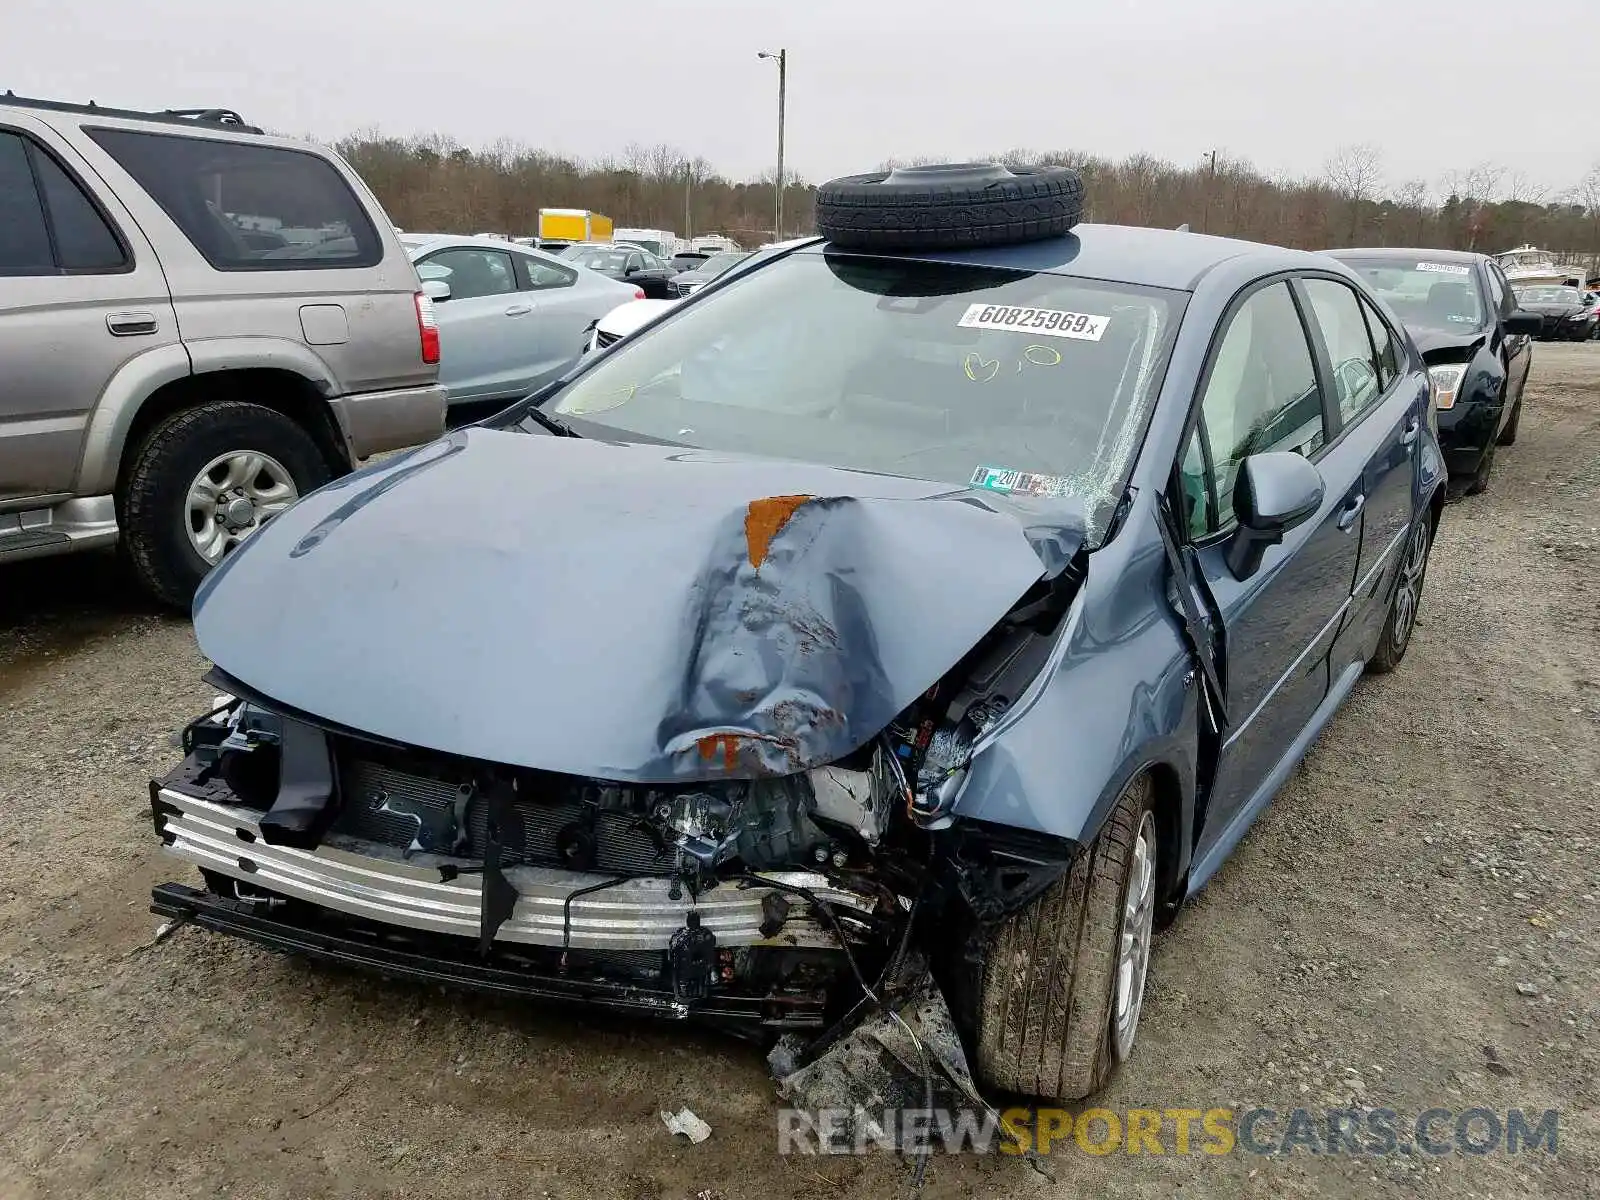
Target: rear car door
<point x="485" y="327"/>
<point x="1262" y="390"/>
<point x="81" y="294"/>
<point x="1379" y="423"/>
<point x="564" y="308"/>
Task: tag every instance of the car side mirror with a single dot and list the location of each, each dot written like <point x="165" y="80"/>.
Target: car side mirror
<point x="1275" y="492"/>
<point x="1523" y="322"/>
<point x="436" y="289"/>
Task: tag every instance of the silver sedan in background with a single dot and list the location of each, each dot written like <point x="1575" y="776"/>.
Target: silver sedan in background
<point x="511" y="318"/>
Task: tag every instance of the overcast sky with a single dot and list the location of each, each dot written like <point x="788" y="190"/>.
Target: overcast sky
<point x="1435" y="84"/>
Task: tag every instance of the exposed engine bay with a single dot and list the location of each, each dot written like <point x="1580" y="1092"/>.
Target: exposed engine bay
<point x="797" y="902"/>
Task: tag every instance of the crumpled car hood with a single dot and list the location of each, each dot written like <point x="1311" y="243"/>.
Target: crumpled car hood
<point x="637" y="613"/>
<point x="1432" y="339"/>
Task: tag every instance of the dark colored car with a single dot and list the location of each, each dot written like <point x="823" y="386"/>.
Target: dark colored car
<point x="1566" y="314"/>
<point x="693" y="280"/>
<point x="903" y="599"/>
<point x="628" y="264"/>
<point x="1474" y="337"/>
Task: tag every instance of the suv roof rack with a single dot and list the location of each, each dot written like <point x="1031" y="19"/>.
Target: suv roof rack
<point x="222" y="117"/>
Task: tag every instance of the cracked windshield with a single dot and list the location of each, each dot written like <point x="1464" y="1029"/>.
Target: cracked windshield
<point x="1026" y="383"/>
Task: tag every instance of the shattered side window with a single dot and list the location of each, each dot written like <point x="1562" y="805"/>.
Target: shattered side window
<point x="1026" y="383"/>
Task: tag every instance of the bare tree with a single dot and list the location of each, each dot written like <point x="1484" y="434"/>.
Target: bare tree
<point x="1473" y="188"/>
<point x="1522" y="190"/>
<point x="1354" y="172"/>
<point x="1411" y="197"/>
<point x="432" y="181"/>
<point x="1587" y="197"/>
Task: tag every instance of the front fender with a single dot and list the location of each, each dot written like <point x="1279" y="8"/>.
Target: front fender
<point x="1119" y="697"/>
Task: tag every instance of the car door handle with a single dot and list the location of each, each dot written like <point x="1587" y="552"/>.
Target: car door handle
<point x="1413" y="427"/>
<point x="1351" y="510"/>
<point x="517" y="310"/>
<point x="130" y="324"/>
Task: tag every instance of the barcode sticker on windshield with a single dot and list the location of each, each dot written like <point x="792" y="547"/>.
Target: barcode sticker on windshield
<point x="1052" y="322"/>
<point x="1445" y="268"/>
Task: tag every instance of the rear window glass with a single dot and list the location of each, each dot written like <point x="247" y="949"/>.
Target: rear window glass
<point x="84" y="242"/>
<point x="249" y="207"/>
<point x="24" y="237"/>
<point x="1439" y="294"/>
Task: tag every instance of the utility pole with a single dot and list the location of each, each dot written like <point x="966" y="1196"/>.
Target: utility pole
<point x="782" y="59"/>
<point x="1211" y="186"/>
<point x="688" y="183"/>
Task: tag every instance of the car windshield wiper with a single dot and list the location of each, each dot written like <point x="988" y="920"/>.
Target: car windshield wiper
<point x="554" y="424"/>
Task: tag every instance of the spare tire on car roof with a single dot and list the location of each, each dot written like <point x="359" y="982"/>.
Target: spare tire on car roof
<point x="949" y="206"/>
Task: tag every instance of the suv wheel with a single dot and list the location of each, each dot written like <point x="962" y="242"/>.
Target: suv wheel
<point x="1063" y="980"/>
<point x="203" y="481"/>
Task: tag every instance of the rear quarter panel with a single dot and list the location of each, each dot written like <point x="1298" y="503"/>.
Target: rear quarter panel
<point x="381" y="349"/>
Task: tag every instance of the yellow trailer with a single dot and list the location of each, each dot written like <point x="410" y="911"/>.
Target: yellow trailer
<point x="573" y="225"/>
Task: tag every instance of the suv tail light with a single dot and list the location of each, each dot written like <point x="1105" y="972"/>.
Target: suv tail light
<point x="427" y="329"/>
<point x="638" y="293"/>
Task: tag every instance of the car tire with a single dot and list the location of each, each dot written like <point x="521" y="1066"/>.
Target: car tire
<point x="1479" y="483"/>
<point x="154" y="508"/>
<point x="1401" y="622"/>
<point x="949" y="206"/>
<point x="1052" y="1015"/>
<point x="1508" y="435"/>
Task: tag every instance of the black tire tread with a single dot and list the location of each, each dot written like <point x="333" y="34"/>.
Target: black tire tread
<point x="861" y="211"/>
<point x="1044" y="1027"/>
<point x="1480" y="478"/>
<point x="163" y="565"/>
<point x="1508" y="435"/>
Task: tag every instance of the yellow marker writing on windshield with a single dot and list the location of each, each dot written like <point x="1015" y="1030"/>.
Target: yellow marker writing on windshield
<point x="980" y="369"/>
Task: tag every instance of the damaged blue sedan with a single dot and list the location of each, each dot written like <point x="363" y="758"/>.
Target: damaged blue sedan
<point x="923" y="609"/>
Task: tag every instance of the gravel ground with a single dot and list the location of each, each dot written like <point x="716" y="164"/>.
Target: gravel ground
<point x="1412" y="924"/>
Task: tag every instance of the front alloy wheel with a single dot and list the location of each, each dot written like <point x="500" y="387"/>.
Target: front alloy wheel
<point x="1138" y="923"/>
<point x="1063" y="979"/>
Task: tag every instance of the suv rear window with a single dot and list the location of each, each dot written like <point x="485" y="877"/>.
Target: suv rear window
<point x="48" y="225"/>
<point x="249" y="208"/>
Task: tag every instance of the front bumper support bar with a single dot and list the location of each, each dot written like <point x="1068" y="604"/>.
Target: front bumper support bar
<point x="554" y="907"/>
<point x="243" y="919"/>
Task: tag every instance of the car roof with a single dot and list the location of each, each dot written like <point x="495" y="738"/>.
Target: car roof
<point x="417" y="243"/>
<point x="1408" y="253"/>
<point x="1165" y="258"/>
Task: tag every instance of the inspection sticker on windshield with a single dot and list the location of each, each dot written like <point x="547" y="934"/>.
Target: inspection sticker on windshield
<point x="1020" y="483"/>
<point x="1052" y="322"/>
<point x="1445" y="268"/>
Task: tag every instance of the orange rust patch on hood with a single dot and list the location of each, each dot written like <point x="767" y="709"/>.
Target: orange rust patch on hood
<point x="727" y="743"/>
<point x="763" y="521"/>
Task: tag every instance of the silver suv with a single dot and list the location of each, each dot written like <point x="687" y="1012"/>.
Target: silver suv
<point x="198" y="324"/>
